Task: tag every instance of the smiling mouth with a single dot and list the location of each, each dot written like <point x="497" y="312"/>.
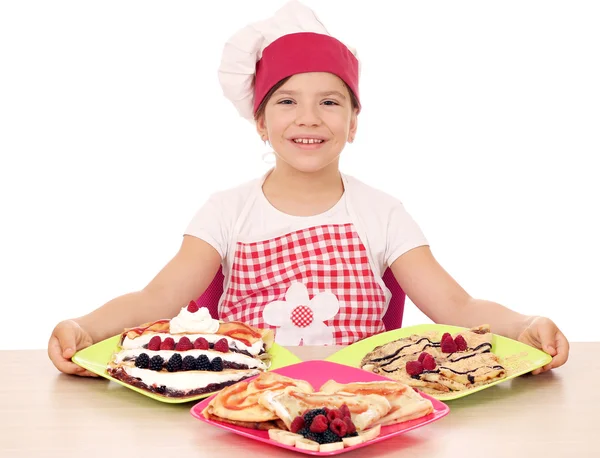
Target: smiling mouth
<point x="307" y="141"/>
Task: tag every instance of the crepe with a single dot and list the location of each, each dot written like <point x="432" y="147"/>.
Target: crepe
<point x="406" y="404"/>
<point x="239" y="403"/>
<point x="456" y="371"/>
<point x="365" y="409"/>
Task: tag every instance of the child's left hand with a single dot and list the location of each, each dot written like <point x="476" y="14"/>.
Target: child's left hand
<point x="542" y="333"/>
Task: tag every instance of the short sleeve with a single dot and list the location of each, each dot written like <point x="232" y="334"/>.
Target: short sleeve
<point x="403" y="234"/>
<point x="210" y="223"/>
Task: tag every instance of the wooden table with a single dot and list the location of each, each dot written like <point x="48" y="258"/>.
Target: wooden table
<point x="47" y="414"/>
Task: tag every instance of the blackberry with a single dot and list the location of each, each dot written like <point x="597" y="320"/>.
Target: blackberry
<point x="156" y="363"/>
<point x="330" y="437"/>
<point x="188" y="363"/>
<point x="202" y="363"/>
<point x="304" y="431"/>
<point x="354" y="434"/>
<point x="142" y="361"/>
<point x="174" y="363"/>
<point x="311" y="414"/>
<point x="317" y="437"/>
<point x="217" y="364"/>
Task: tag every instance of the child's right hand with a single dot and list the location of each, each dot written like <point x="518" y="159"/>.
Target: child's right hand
<point x="66" y="339"/>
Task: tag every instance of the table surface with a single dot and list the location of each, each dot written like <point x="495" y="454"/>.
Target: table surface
<point x="48" y="414"/>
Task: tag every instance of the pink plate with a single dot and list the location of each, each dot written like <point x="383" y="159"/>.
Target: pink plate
<point x="317" y="373"/>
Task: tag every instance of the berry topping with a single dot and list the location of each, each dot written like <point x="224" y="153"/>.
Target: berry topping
<point x="216" y="364"/>
<point x="333" y="414"/>
<point x="154" y="343"/>
<point x="168" y="344"/>
<point x="303" y="432"/>
<point x="201" y="344"/>
<point x="221" y="345"/>
<point x="461" y="343"/>
<point x="192" y="307"/>
<point x="422" y="356"/>
<point x="202" y="363"/>
<point x="174" y="363"/>
<point x="188" y="363"/>
<point x="345" y="411"/>
<point x="338" y="427"/>
<point x="319" y="424"/>
<point x="184" y="344"/>
<point x="349" y="425"/>
<point x="329" y="437"/>
<point x="156" y="363"/>
<point x="446" y="336"/>
<point x="308" y="416"/>
<point x="448" y="346"/>
<point x="414" y="368"/>
<point x="297" y="424"/>
<point x="428" y="363"/>
<point x="142" y="361"/>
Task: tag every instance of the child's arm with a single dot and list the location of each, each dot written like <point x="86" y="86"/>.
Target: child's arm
<point x="185" y="277"/>
<point x="443" y="300"/>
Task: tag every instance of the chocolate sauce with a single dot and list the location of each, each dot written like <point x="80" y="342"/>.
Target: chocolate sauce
<point x="393" y="355"/>
<point x="469" y="356"/>
<point x="471" y="378"/>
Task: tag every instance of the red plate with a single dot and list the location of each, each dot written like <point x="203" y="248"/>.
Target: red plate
<point x="317" y="373"/>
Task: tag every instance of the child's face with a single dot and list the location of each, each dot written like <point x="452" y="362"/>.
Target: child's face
<point x="315" y="107"/>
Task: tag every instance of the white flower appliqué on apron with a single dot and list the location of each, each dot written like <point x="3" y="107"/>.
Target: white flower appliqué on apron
<point x="299" y="319"/>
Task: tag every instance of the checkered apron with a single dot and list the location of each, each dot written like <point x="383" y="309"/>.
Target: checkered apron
<point x="328" y="258"/>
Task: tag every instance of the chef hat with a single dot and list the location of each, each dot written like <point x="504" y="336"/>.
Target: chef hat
<point x="263" y="53"/>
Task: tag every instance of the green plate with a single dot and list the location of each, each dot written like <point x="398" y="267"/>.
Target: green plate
<point x="96" y="358"/>
<point x="516" y="357"/>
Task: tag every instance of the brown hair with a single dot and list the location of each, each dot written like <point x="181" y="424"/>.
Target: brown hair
<point x="260" y="111"/>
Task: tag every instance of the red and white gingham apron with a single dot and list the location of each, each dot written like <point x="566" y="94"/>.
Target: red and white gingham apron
<point x="329" y="258"/>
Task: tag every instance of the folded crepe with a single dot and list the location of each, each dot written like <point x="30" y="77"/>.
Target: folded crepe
<point x="365" y="410"/>
<point x="238" y="404"/>
<point x="406" y="404"/>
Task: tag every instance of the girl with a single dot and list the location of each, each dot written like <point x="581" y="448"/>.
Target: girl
<point x="303" y="248"/>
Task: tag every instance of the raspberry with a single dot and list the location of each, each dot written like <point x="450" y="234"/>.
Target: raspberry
<point x="174" y="363"/>
<point x="188" y="363"/>
<point x="448" y="346"/>
<point x="345" y="411"/>
<point x="414" y="368"/>
<point x="221" y="345"/>
<point x="216" y="365"/>
<point x="428" y="363"/>
<point x="156" y="363"/>
<point x="202" y="363"/>
<point x="349" y="425"/>
<point x="329" y="437"/>
<point x="297" y="424"/>
<point x="201" y="344"/>
<point x="142" y="361"/>
<point x="308" y="416"/>
<point x="184" y="344"/>
<point x="192" y="307"/>
<point x="168" y="344"/>
<point x="422" y="356"/>
<point x="338" y="427"/>
<point x="333" y="414"/>
<point x="319" y="424"/>
<point x="154" y="343"/>
<point x="461" y="343"/>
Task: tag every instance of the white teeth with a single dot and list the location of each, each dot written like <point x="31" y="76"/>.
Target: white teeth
<point x="307" y="140"/>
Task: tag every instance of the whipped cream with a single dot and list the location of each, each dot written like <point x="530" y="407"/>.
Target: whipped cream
<point x="187" y="380"/>
<point x="199" y="321"/>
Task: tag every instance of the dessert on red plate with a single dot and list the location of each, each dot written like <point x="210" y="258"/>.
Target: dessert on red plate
<point x="190" y="354"/>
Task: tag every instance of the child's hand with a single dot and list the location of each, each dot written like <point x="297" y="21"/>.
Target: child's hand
<point x="542" y="333"/>
<point x="66" y="339"/>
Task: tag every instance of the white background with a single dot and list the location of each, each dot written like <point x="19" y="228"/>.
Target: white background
<point x="482" y="117"/>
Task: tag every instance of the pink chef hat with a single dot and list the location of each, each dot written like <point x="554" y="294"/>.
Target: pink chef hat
<point x="292" y="41"/>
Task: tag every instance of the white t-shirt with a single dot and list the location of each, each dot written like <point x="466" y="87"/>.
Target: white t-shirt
<point x="385" y="227"/>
